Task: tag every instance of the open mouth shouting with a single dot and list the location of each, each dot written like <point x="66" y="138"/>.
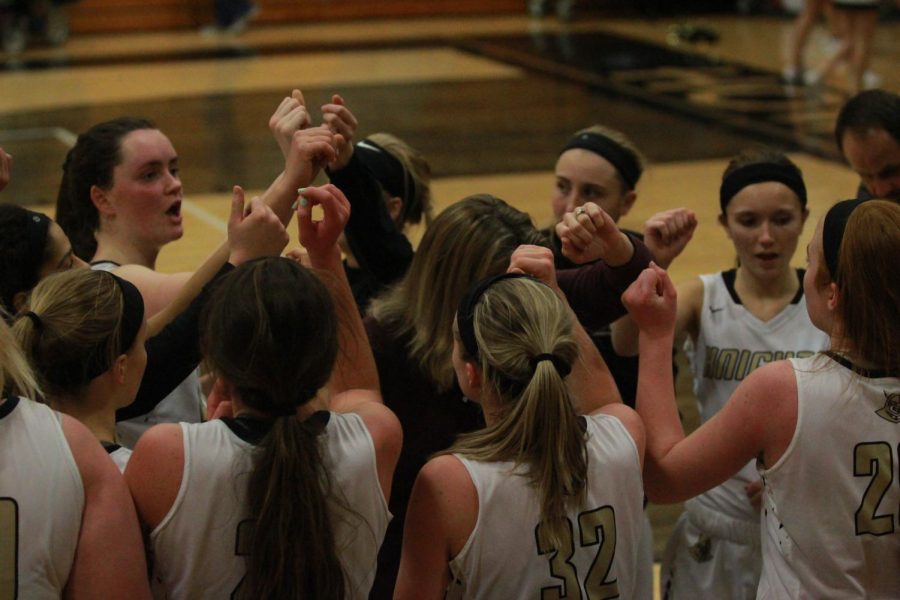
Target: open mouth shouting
<point x="174" y="211"/>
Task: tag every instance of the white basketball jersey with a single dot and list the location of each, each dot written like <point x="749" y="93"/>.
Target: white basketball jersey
<point x="502" y="557"/>
<point x="831" y="524"/>
<point x="120" y="455"/>
<point x="184" y="404"/>
<point x="197" y="544"/>
<point x="731" y="343"/>
<point x="41" y="501"/>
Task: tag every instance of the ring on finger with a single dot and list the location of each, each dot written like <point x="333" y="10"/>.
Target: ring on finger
<point x="579" y="211"/>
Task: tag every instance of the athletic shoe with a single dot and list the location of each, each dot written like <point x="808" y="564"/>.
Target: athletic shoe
<point x="565" y="10"/>
<point x="15" y="35"/>
<point x="536" y="8"/>
<point x="235" y="27"/>
<point x="792" y="76"/>
<point x="240" y="24"/>
<point x="871" y="80"/>
<point x="57" y="27"/>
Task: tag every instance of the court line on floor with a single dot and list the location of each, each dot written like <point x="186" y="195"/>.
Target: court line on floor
<point x="204" y="215"/>
<point x="60" y="134"/>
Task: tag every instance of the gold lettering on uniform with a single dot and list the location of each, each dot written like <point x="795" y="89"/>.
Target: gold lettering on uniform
<point x="734" y="364"/>
<point x="727" y="361"/>
<point x="709" y="365"/>
<point x="760" y="358"/>
<point x="741" y="371"/>
<point x="875" y="460"/>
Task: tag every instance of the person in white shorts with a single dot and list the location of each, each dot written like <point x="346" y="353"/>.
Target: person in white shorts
<point x="542" y="500"/>
<point x="733" y="322"/>
<point x="287" y="498"/>
<point x="824" y="429"/>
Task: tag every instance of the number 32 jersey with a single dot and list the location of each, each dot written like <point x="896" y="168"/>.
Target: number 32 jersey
<point x="502" y="557"/>
<point x="831" y="517"/>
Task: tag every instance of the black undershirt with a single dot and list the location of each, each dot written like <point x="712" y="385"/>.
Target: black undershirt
<point x="9" y="405"/>
<point x="867" y="373"/>
<point x="730" y="275"/>
<point x="253" y="429"/>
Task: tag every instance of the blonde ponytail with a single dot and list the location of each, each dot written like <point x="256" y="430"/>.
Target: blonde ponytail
<point x="526" y="347"/>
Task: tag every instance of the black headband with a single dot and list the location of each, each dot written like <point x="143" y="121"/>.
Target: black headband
<point x="833" y="233"/>
<point x="623" y="160"/>
<point x="388" y="170"/>
<point x="97" y="361"/>
<point x="740" y="178"/>
<point x="37" y="227"/>
<point x="465" y="314"/>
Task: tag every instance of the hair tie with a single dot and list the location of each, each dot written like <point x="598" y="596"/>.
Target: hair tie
<point x="562" y="367"/>
<point x="747" y="175"/>
<point x="618" y="156"/>
<point x="34" y="318"/>
<point x="833" y="233"/>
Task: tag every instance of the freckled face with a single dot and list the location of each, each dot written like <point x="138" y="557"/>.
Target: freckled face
<point x="764" y="222"/>
<point x="583" y="176"/>
<point x="146" y="192"/>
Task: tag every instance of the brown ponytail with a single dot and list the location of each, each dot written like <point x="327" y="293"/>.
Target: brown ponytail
<point x="270" y="330"/>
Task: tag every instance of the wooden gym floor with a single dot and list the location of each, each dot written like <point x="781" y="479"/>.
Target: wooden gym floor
<point x="488" y="100"/>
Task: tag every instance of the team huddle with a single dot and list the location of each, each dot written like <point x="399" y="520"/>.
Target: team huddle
<point x="482" y="416"/>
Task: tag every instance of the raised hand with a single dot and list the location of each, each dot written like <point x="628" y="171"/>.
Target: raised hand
<point x="667" y="233"/>
<point x="5" y="168"/>
<point x="536" y="261"/>
<point x="338" y="118"/>
<point x="290" y="117"/>
<point x="311" y="150"/>
<point x="254" y="232"/>
<point x="320" y="237"/>
<point x="651" y="302"/>
<point x="589" y="234"/>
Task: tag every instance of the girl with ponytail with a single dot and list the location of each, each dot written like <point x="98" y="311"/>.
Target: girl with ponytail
<point x="287" y="498"/>
<point x="823" y="431"/>
<point x="541" y="498"/>
<point x="68" y="525"/>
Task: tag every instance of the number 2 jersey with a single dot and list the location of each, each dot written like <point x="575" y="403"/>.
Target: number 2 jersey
<point x="832" y="501"/>
<point x="198" y="545"/>
<point x="41" y="501"/>
<point x="502" y="557"/>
